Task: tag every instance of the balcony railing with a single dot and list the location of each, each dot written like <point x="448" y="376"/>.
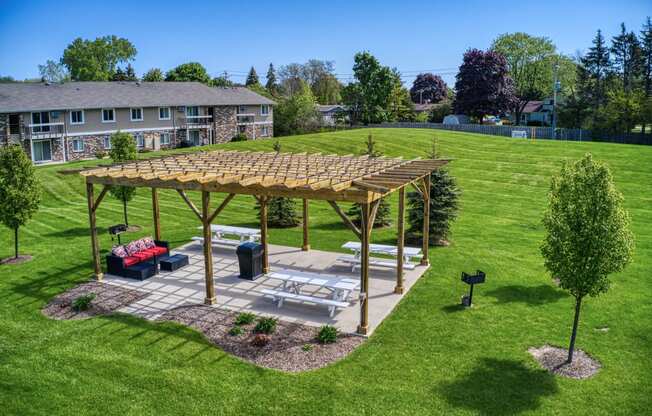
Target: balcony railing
<point x="44" y="131"/>
<point x="196" y="121"/>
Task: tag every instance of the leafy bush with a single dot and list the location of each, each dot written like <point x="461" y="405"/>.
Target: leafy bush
<point x="83" y="302"/>
<point x="245" y="318"/>
<point x="185" y="143"/>
<point x="266" y="326"/>
<point x="240" y="137"/>
<point x="236" y="330"/>
<point x="101" y="154"/>
<point x="327" y="334"/>
<point x="260" y="340"/>
<point x="439" y="111"/>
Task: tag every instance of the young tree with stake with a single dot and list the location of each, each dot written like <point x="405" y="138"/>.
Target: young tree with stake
<point x="123" y="149"/>
<point x="588" y="236"/>
<point x="20" y="191"/>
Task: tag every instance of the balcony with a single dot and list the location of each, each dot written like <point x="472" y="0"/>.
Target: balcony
<point x="43" y="131"/>
<point x="196" y="122"/>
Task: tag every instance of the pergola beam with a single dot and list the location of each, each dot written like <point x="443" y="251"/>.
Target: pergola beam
<point x="305" y="220"/>
<point x="156" y="214"/>
<point x="95" y="247"/>
<point x="208" y="250"/>
<point x="100" y="197"/>
<point x="223" y="205"/>
<point x="190" y="204"/>
<point x="398" y="289"/>
<point x="346" y="219"/>
<point x="368" y="217"/>
<point x="426" y="220"/>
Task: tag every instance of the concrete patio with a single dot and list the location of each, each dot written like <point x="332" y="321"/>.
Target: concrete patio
<point x="186" y="286"/>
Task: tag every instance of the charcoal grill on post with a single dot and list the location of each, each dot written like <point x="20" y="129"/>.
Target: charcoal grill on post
<point x="471" y="279"/>
<point x="116" y="230"/>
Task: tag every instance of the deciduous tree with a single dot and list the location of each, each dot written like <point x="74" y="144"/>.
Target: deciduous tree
<point x="296" y="114"/>
<point x="191" y="71"/>
<point x="123" y="149"/>
<point x="153" y="75"/>
<point x="483" y="85"/>
<point x="53" y="72"/>
<point x="20" y="191"/>
<point x="97" y="60"/>
<point x="428" y="88"/>
<point x="587" y="232"/>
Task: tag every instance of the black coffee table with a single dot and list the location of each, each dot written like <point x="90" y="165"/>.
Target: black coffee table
<point x="172" y="263"/>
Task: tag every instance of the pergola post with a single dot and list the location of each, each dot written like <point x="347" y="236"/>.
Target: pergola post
<point x="95" y="247"/>
<point x="367" y="221"/>
<point x="208" y="252"/>
<point x="426" y="220"/>
<point x="401" y="241"/>
<point x="263" y="232"/>
<point x="156" y="214"/>
<point x="306" y="219"/>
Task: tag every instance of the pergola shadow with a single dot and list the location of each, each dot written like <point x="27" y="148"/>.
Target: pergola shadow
<point x="356" y="179"/>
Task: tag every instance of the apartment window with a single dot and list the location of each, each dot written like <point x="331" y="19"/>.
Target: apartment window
<point x="164" y="113"/>
<point x="192" y="111"/>
<point x="77" y="117"/>
<point x="242" y="129"/>
<point x="140" y="140"/>
<point x="106" y="141"/>
<point x="77" y="145"/>
<point x="264" y="131"/>
<point x="165" y="138"/>
<point x="136" y="114"/>
<point x="242" y="109"/>
<point x="108" y="115"/>
<point x="264" y="110"/>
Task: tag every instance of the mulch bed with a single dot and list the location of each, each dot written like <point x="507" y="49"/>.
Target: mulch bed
<point x="22" y="258"/>
<point x="286" y="350"/>
<point x="108" y="298"/>
<point x="553" y="359"/>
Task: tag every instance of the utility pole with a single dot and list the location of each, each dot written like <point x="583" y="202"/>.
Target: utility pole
<point x="555" y="88"/>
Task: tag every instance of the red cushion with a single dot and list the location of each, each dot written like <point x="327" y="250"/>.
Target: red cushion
<point x="142" y="255"/>
<point x="149" y="251"/>
<point x="131" y="260"/>
<point x="159" y="250"/>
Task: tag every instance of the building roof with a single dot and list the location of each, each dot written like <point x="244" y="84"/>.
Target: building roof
<point x="26" y="96"/>
<point x="423" y="107"/>
<point x="310" y="176"/>
<point x="533" y="106"/>
<point x="327" y="108"/>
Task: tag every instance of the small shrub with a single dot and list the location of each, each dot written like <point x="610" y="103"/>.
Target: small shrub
<point x="83" y="302"/>
<point x="266" y="326"/>
<point x="306" y="347"/>
<point x="236" y="330"/>
<point x="185" y="143"/>
<point x="260" y="340"/>
<point x="327" y="334"/>
<point x="245" y="318"/>
<point x="240" y="137"/>
<point x="101" y="154"/>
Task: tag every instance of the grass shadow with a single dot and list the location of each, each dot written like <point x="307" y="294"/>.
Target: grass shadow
<point x="453" y="308"/>
<point x="500" y="387"/>
<point x="531" y="295"/>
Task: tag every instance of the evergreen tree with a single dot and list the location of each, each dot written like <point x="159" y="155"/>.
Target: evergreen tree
<point x="627" y="56"/>
<point x="123" y="149"/>
<point x="20" y="191"/>
<point x="646" y="56"/>
<point x="281" y="211"/>
<point x="383" y="213"/>
<point x="444" y="195"/>
<point x="271" y="84"/>
<point x="252" y="78"/>
<point x="597" y="65"/>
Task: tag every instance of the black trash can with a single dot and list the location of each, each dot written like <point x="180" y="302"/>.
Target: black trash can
<point x="250" y="259"/>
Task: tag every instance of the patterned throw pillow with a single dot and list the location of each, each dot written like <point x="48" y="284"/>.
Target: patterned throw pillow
<point x="132" y="248"/>
<point x="149" y="242"/>
<point x="141" y="244"/>
<point x="119" y="251"/>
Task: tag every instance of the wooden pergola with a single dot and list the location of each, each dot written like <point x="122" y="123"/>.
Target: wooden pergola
<point x="332" y="178"/>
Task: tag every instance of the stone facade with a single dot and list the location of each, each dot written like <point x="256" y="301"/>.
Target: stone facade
<point x="225" y="124"/>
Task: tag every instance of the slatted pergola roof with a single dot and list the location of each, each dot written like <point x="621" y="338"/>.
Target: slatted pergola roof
<point x="309" y="176"/>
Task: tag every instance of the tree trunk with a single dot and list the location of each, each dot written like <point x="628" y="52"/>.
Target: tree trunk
<point x="571" y="348"/>
<point x="16" y="242"/>
<point x="124" y="209"/>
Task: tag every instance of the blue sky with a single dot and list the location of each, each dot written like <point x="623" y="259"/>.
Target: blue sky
<point x="234" y="35"/>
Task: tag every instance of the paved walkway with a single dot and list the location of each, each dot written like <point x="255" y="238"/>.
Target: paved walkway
<point x="186" y="286"/>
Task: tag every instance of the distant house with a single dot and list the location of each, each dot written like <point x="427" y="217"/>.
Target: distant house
<point x="328" y="113"/>
<point x="536" y="113"/>
<point x="423" y="108"/>
<point x="457" y="119"/>
<point x="75" y="120"/>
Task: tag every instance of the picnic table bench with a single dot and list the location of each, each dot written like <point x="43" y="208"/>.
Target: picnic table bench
<point x="219" y="232"/>
<point x="355" y="260"/>
<point x="340" y="288"/>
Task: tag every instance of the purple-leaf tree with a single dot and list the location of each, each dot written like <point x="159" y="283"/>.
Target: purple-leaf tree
<point x="428" y="88"/>
<point x="482" y="85"/>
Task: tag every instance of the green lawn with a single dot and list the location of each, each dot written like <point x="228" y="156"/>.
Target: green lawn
<point x="428" y="357"/>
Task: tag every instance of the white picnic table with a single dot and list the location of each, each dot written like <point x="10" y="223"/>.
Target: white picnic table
<point x="219" y="231"/>
<point x="392" y="251"/>
<point x="340" y="288"/>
